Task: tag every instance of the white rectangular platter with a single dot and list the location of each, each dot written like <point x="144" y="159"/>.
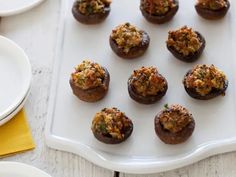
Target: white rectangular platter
<point x="69" y="119"/>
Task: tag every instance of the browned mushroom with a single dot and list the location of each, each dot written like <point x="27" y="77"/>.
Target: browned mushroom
<point x="205" y="82"/>
<point x="159" y="11"/>
<point x="185" y="44"/>
<point x="111" y="126"/>
<point x="91" y="11"/>
<point x="212" y="9"/>
<point x="129" y="42"/>
<point x="90" y="81"/>
<point x="174" y="124"/>
<point x="146" y="85"/>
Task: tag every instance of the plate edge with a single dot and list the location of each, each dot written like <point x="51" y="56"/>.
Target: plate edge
<point x="55" y="142"/>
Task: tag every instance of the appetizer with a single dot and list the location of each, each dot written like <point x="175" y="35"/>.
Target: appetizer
<point x="186" y="44"/>
<point x="146" y="85"/>
<point x="159" y="11"/>
<point x="90" y="81"/>
<point x="205" y="82"/>
<point x="91" y="11"/>
<point x="129" y="42"/>
<point x="111" y="126"/>
<point x="174" y="124"/>
<point x="212" y="9"/>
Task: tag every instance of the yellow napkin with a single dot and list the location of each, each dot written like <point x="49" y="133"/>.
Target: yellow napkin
<point x="15" y="136"/>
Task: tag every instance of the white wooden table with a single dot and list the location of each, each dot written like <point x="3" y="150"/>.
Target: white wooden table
<point x="35" y="31"/>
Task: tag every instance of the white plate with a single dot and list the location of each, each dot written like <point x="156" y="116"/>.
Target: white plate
<point x="15" y="76"/>
<point x="69" y="121"/>
<point x="13" y="7"/>
<point x="16" y="169"/>
<point x="15" y="111"/>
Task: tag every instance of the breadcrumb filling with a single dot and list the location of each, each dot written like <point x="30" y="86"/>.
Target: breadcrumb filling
<point x="157" y="7"/>
<point x="111" y="122"/>
<point x="175" y="118"/>
<point x="88" y="7"/>
<point x="147" y="81"/>
<point x="127" y="36"/>
<point x="212" y="4"/>
<point x="205" y="78"/>
<point x="184" y="41"/>
<point x="88" y="75"/>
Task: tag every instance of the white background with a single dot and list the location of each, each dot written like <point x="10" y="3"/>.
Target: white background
<point x="36" y="32"/>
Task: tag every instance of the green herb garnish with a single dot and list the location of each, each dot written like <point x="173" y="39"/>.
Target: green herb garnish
<point x="102" y="128"/>
<point x="166" y="106"/>
<point x="89" y="9"/>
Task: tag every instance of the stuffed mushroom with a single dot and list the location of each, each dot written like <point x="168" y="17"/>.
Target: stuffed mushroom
<point x="111" y="126"/>
<point x="205" y="82"/>
<point x="159" y="11"/>
<point x="90" y="81"/>
<point x="212" y="9"/>
<point x="174" y="124"/>
<point x="146" y="85"/>
<point x="186" y="44"/>
<point x="128" y="42"/>
<point x="91" y="11"/>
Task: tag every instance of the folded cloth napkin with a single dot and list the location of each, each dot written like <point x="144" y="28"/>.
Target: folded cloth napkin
<point x="15" y="136"/>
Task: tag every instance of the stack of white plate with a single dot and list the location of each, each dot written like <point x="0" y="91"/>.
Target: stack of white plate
<point x="15" y="169"/>
<point x="13" y="7"/>
<point x="15" y="79"/>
